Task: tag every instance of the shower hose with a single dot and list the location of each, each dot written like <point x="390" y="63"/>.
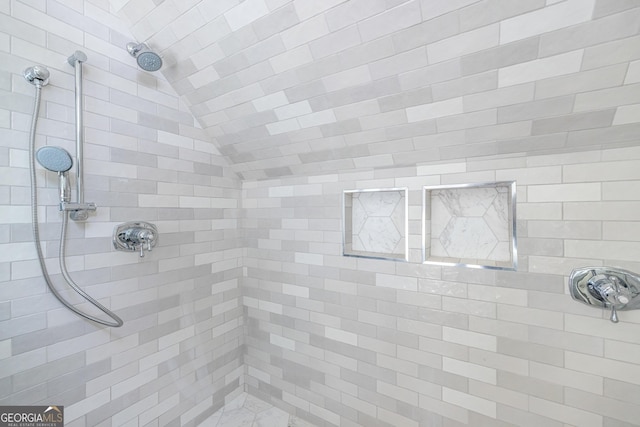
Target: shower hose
<point x="116" y="321"/>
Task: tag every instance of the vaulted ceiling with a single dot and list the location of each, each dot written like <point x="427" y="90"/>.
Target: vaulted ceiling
<point x="292" y="87"/>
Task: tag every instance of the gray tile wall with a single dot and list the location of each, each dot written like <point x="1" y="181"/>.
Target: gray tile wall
<point x="179" y="353"/>
<point x="305" y="87"/>
<point x="541" y="92"/>
<point x="346" y="341"/>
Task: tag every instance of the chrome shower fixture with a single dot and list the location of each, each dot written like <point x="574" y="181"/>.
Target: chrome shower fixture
<point x="77" y="56"/>
<point x="37" y="75"/>
<point x="135" y="236"/>
<point x="58" y="160"/>
<point x="147" y="59"/>
<point x="606" y="287"/>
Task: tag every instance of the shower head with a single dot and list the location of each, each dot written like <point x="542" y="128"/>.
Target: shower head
<point x="55" y="159"/>
<point x="147" y="59"/>
<point x="37" y="75"/>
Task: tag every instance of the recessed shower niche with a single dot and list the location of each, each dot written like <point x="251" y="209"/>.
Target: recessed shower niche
<point x="470" y="225"/>
<point x="375" y="223"/>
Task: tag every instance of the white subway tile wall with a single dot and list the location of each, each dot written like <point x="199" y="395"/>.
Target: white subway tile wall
<point x="463" y="347"/>
<point x="240" y="149"/>
<point x="494" y="70"/>
<point x="179" y="354"/>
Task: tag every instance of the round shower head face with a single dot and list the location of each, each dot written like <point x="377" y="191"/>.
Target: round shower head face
<point x="149" y="61"/>
<point x="55" y="159"/>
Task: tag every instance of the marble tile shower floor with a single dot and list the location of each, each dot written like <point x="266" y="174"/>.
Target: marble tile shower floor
<point x="249" y="411"/>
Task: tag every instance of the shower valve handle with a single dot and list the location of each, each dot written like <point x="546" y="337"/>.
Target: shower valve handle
<point x="144" y="237"/>
<point x="609" y="288"/>
<point x="135" y="236"/>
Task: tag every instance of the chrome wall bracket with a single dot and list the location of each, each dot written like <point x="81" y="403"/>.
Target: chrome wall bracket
<point x="606" y="287"/>
<point x="135" y="236"/>
<point x="78" y="211"/>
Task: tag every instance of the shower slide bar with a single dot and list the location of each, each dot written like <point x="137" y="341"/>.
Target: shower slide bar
<point x="79" y="211"/>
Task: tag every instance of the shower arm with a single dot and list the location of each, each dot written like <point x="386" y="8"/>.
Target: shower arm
<point x="80" y="209"/>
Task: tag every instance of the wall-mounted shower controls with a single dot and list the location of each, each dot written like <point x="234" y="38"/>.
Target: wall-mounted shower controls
<point x="612" y="288"/>
<point x="135" y="236"/>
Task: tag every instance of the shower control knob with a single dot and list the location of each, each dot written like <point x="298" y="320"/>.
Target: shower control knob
<point x="135" y="236"/>
<point x="138" y="235"/>
<point x="612" y="288"/>
<point x="140" y="238"/>
<point x="608" y="289"/>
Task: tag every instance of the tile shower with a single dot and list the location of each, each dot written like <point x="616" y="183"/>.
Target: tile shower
<point x="248" y="290"/>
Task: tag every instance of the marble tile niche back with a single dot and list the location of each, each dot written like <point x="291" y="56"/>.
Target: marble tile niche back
<point x="375" y="223"/>
<point x="470" y="225"/>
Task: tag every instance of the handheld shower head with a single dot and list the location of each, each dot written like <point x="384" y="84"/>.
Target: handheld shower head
<point x="55" y="159"/>
<point x="147" y="59"/>
<point x="58" y="160"/>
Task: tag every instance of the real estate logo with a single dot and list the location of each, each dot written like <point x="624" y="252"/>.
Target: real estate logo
<point x="31" y="416"/>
